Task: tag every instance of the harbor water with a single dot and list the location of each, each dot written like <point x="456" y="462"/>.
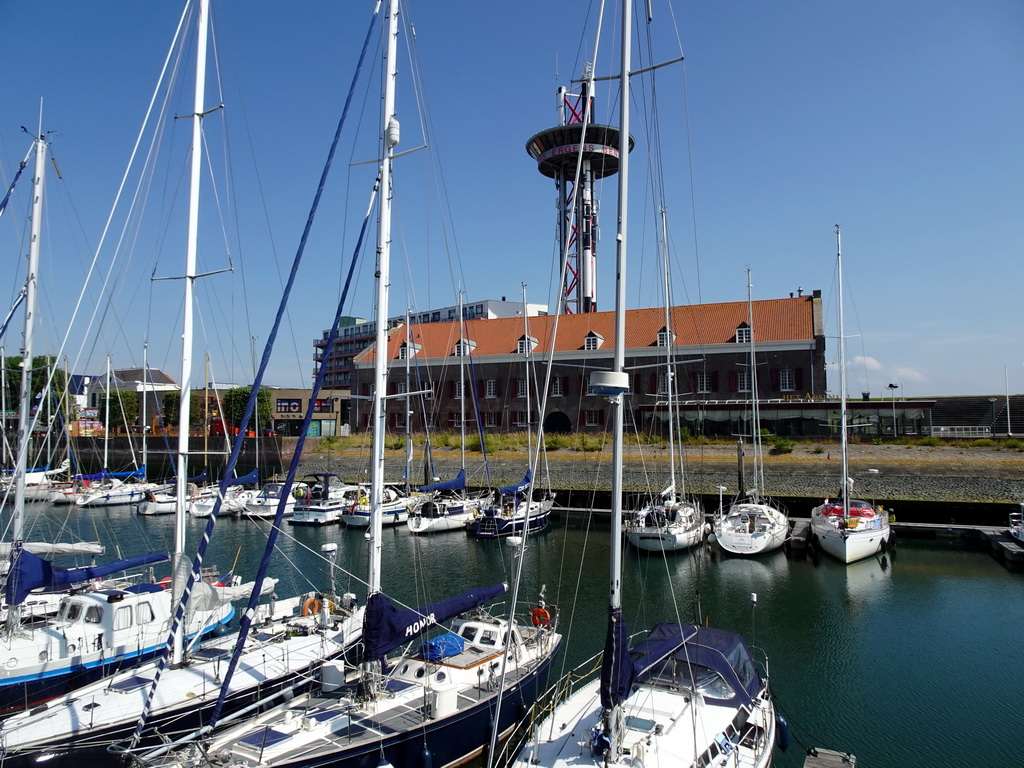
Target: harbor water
<point x="911" y="658"/>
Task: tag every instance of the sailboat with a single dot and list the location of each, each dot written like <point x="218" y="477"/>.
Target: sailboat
<point x="675" y="522"/>
<point x="288" y="640"/>
<point x="754" y="524"/>
<point x="682" y="695"/>
<point x="1017" y="524"/>
<point x="447" y="506"/>
<point x="94" y="633"/>
<point x="847" y="529"/>
<point x="434" y="703"/>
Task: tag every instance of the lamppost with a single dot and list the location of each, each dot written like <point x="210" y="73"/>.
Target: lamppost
<point x="892" y="396"/>
<point x="992" y="428"/>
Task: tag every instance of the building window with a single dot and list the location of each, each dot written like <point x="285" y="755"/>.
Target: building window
<point x="663" y="383"/>
<point x="743" y="334"/>
<point x="491" y="388"/>
<point x="429" y="386"/>
<point x="524" y="347"/>
<point x="457" y="390"/>
<point x="400" y="419"/>
<point x="490" y="420"/>
<point x="592" y="418"/>
<point x="590" y="389"/>
<point x="743" y="381"/>
<point x="703" y="383"/>
<point x="401" y="388"/>
<point x="455" y="419"/>
<point x="464" y="348"/>
<point x="787" y="380"/>
<point x="593" y="341"/>
<point x="557" y="386"/>
<point x="521" y="388"/>
<point x="520" y="418"/>
<point x="665" y="338"/>
<point x="403" y="352"/>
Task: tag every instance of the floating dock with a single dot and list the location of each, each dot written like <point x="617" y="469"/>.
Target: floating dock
<point x="828" y="758"/>
<point x="1005" y="549"/>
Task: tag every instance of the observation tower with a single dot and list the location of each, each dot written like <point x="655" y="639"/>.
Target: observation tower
<point x="576" y="153"/>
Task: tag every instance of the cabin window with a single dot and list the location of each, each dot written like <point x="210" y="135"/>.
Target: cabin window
<point x="144" y="613"/>
<point x="440" y="677"/>
<point x="72" y="611"/>
<point x="94" y="614"/>
<point x="123" y="617"/>
<point x="469" y="632"/>
<point x="490" y="637"/>
<point x="787" y="380"/>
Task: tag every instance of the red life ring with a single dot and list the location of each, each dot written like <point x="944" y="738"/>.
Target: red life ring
<point x="540" y="617"/>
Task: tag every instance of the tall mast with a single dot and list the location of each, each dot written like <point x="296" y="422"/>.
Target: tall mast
<point x="529" y="350"/>
<point x="842" y="381"/>
<point x="669" y="367"/>
<point x="380" y="363"/>
<point x="755" y="408"/>
<point x="145" y="394"/>
<point x="408" y="410"/>
<point x="31" y="285"/>
<point x="184" y="411"/>
<point x="462" y="381"/>
<point x="106" y="420"/>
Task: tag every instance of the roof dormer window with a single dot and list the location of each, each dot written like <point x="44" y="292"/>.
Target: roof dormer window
<point x="743" y="334"/>
<point x="408" y="351"/>
<point x="526" y="345"/>
<point x="666" y="338"/>
<point x="464" y="347"/>
<point x="593" y="341"/>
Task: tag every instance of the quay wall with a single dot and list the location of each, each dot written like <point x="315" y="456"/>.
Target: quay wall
<point x="945" y="474"/>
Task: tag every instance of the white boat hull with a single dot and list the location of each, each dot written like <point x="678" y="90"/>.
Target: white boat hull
<point x="752" y="529"/>
<point x="848" y="545"/>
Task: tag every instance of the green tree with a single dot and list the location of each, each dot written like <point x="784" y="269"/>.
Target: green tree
<point x="233" y="403"/>
<point x="41" y="366"/>
<point x="124" y="409"/>
<point x="171" y="411"/>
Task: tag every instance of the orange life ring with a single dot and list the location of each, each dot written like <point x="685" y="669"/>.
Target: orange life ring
<point x="310" y="607"/>
<point x="540" y="617"/>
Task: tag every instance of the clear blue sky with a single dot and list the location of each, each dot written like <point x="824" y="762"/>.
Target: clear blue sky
<point x="899" y="120"/>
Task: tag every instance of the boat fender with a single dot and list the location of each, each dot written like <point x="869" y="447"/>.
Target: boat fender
<point x="426" y="759"/>
<point x="540" y="617"/>
<point x="781" y="732"/>
<point x="310" y="607"/>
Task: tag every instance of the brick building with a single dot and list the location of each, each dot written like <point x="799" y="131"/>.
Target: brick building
<point x="494" y="362"/>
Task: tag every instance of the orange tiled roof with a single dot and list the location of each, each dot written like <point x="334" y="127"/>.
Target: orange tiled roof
<point x="694" y="325"/>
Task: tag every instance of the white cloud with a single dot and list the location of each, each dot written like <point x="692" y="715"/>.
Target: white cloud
<point x="901" y="373"/>
<point x="868" y="363"/>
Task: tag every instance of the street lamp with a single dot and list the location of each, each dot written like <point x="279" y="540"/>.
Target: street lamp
<point x="892" y="396"/>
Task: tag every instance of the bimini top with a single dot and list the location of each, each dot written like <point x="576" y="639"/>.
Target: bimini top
<point x="715" y="662"/>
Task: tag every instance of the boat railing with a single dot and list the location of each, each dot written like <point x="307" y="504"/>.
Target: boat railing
<point x="546" y="703"/>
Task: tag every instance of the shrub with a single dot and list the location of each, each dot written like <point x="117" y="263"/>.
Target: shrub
<point x="930" y="441"/>
<point x="818" y="449"/>
<point x="983" y="442"/>
<point x="782" y="445"/>
<point x="1013" y="444"/>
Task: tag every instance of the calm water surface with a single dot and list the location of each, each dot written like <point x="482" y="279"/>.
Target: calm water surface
<point x="911" y="659"/>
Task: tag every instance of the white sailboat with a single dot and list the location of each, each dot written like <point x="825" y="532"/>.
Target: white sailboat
<point x="290" y="638"/>
<point x="684" y="695"/>
<point x="754" y="524"/>
<point x="1017" y="524"/>
<point x="847" y="529"/>
<point x="94" y="633"/>
<point x="676" y="521"/>
<point x="431" y="704"/>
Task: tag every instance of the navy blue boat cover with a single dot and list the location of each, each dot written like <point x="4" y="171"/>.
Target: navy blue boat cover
<point x="716" y="649"/>
<point x="458" y="483"/>
<point x="511" y="490"/>
<point x="616" y="665"/>
<point x="386" y="627"/>
<point x="30" y="572"/>
<point x="253" y="478"/>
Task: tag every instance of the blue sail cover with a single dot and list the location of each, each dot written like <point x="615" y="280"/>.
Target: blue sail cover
<point x="200" y="478"/>
<point x="386" y="627"/>
<point x="253" y="478"/>
<point x="511" y="490"/>
<point x="691" y="647"/>
<point x="140" y="472"/>
<point x="456" y="484"/>
<point x="29" y="572"/>
<point x="616" y="665"/>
